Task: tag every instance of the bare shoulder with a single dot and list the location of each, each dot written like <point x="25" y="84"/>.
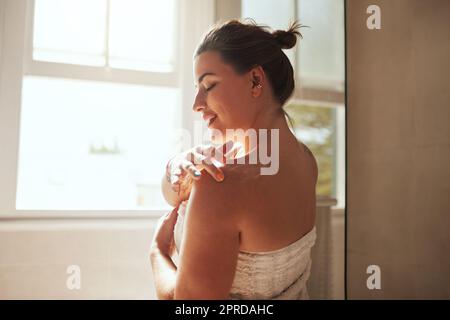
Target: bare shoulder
<point x="313" y="160"/>
<point x="225" y="197"/>
<point x="215" y="199"/>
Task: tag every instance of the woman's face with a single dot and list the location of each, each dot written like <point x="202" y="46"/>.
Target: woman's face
<point x="224" y="97"/>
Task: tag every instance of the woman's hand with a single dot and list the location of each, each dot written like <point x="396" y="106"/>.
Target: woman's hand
<point x="186" y="167"/>
<point x="163" y="242"/>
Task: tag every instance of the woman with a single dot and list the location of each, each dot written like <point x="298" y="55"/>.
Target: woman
<point x="239" y="234"/>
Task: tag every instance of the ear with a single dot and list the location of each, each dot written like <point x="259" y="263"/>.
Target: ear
<point x="258" y="81"/>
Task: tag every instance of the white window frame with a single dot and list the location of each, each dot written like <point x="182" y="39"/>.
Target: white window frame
<point x="194" y="18"/>
<point x="94" y="73"/>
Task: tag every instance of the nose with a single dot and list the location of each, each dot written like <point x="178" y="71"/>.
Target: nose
<point x="199" y="102"/>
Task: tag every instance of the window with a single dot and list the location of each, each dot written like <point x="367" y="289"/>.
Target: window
<point x="93" y="145"/>
<point x="115" y="33"/>
<point x="317" y="106"/>
<point x="90" y="107"/>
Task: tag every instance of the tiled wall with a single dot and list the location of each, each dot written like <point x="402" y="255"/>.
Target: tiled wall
<point x="112" y="256"/>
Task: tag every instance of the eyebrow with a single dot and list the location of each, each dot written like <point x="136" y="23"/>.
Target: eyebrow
<point x="200" y="79"/>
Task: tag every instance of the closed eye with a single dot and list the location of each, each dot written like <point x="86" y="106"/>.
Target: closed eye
<point x="210" y="87"/>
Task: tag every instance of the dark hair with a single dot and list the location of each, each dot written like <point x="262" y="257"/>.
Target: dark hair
<point x="247" y="45"/>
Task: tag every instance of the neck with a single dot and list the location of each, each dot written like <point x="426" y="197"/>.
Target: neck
<point x="270" y="120"/>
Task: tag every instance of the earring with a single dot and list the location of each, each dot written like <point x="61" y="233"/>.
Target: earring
<point x="259" y="86"/>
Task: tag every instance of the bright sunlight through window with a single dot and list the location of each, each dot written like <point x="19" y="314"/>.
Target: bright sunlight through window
<point x="115" y="33"/>
<point x="88" y="142"/>
<point x="88" y="145"/>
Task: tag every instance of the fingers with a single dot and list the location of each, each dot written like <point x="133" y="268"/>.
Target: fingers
<point x="165" y="225"/>
<point x="173" y="213"/>
<point x="203" y="157"/>
<point x="175" y="177"/>
<point x="213" y="170"/>
<point x="191" y="169"/>
<point x="205" y="161"/>
<point x="217" y="155"/>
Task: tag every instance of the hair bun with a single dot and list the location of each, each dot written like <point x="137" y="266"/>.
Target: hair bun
<point x="287" y="39"/>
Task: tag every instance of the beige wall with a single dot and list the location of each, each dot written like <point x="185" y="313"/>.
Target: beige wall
<point x="227" y="9"/>
<point x="398" y="149"/>
<point x="113" y="256"/>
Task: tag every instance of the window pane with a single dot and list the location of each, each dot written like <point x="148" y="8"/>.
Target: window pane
<point x="275" y="14"/>
<point x="321" y="53"/>
<point x="70" y="31"/>
<point x="88" y="145"/>
<point x="315" y="126"/>
<point x="142" y="34"/>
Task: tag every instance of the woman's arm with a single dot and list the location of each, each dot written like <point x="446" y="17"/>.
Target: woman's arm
<point x="161" y="249"/>
<point x="210" y="245"/>
<point x="164" y="274"/>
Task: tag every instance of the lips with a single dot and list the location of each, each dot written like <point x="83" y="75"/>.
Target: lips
<point x="209" y="118"/>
